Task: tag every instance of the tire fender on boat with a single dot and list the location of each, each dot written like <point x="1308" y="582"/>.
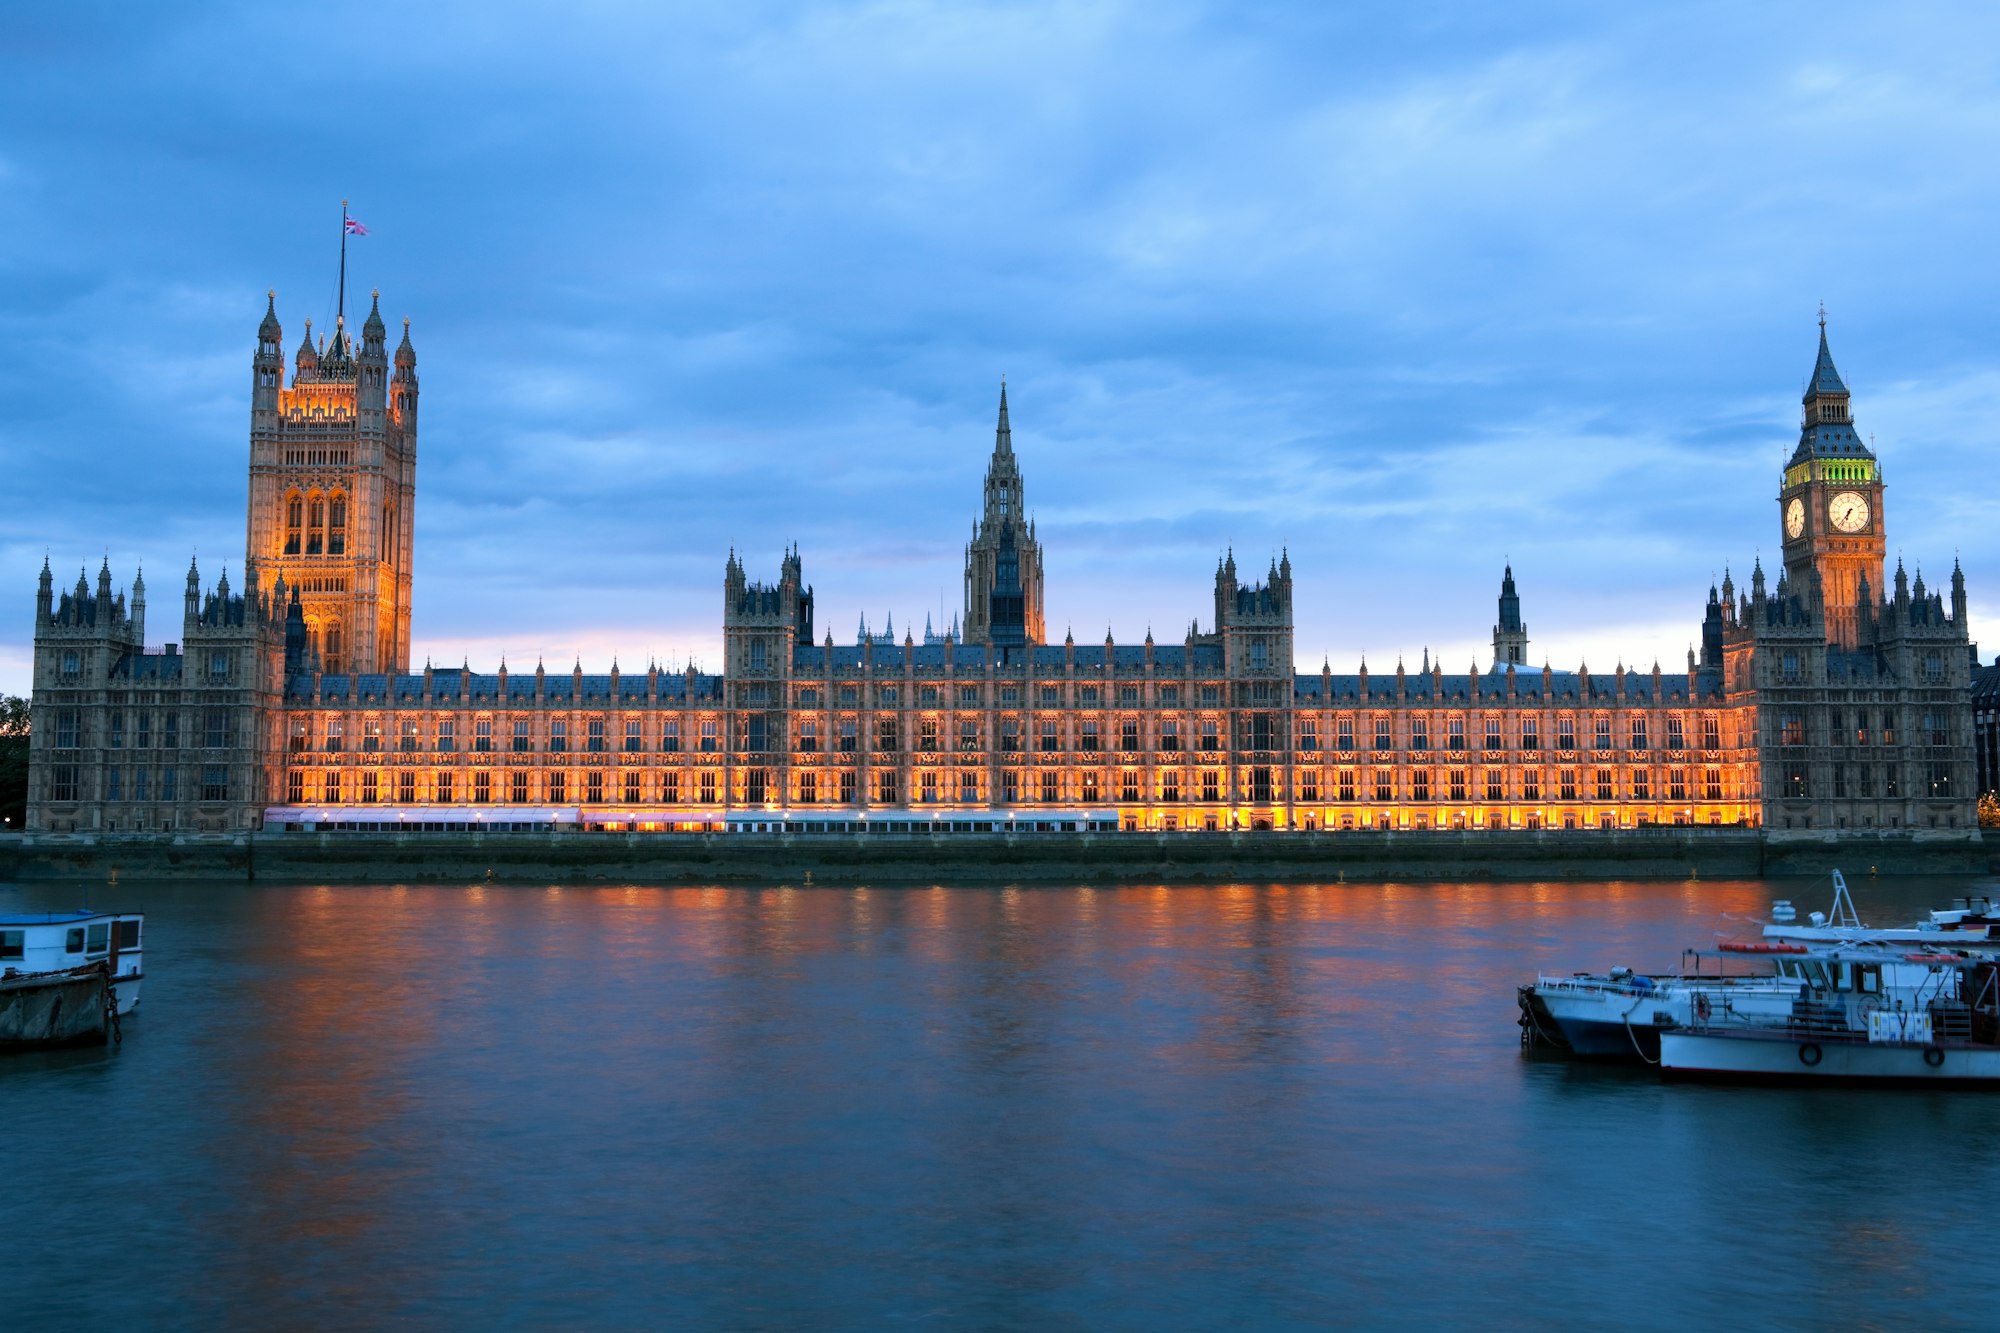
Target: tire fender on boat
<point x="1933" y="1056"/>
<point x="1809" y="1054"/>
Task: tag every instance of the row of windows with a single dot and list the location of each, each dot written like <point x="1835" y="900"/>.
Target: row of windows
<point x="1254" y="731"/>
<point x="139" y="784"/>
<point x="409" y="735"/>
<point x="1842" y="728"/>
<point x="147" y="730"/>
<point x="518" y="786"/>
<point x="316" y="524"/>
<point x="1790" y="666"/>
<point x="971" y="696"/>
<point x="1862" y="781"/>
<point x="1258" y="784"/>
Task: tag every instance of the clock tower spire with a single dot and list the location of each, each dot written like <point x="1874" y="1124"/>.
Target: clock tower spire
<point x="1830" y="503"/>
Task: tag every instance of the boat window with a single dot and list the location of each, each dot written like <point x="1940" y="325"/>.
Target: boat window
<point x="1869" y="978"/>
<point x="13" y="943"/>
<point x="128" y="934"/>
<point x="100" y="937"/>
<point x="74" y="944"/>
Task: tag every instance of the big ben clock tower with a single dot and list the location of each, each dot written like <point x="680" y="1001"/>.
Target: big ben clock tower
<point x="1830" y="503"/>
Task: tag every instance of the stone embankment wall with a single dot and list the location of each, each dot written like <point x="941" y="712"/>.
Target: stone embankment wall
<point x="1169" y="858"/>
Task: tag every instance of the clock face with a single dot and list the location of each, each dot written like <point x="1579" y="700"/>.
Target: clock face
<point x="1795" y="518"/>
<point x="1848" y="512"/>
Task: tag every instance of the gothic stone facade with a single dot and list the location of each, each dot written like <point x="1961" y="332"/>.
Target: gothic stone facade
<point x="1827" y="702"/>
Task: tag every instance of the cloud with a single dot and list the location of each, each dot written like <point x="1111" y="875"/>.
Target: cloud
<point x="1405" y="292"/>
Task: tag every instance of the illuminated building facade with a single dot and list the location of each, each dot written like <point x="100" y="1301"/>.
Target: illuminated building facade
<point x="1827" y="702"/>
<point x="333" y="476"/>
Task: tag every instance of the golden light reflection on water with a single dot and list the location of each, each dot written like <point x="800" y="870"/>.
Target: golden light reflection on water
<point x="387" y="1079"/>
<point x="1229" y="974"/>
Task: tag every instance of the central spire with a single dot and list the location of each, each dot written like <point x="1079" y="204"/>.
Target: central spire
<point x="1005" y="500"/>
<point x="1003" y="606"/>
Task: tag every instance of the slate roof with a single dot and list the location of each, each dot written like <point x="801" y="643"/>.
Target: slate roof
<point x="148" y="666"/>
<point x="458" y="686"/>
<point x="1825" y="379"/>
<point x="1418" y="687"/>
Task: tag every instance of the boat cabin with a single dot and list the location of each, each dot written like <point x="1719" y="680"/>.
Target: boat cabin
<point x="33" y="942"/>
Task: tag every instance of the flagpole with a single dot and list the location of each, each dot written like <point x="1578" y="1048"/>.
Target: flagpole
<point x="340" y="314"/>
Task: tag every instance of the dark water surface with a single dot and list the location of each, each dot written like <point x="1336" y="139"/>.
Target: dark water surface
<point x="1126" y="1107"/>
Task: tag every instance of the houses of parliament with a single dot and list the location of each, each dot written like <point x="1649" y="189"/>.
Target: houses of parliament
<point x="1830" y="694"/>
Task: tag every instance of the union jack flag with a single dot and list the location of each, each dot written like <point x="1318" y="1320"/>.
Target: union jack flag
<point x="354" y="228"/>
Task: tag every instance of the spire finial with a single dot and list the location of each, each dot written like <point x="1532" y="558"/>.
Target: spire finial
<point x="1003" y="433"/>
<point x="1822" y="317"/>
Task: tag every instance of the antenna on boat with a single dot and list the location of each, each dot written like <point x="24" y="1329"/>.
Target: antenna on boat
<point x="1843" y="913"/>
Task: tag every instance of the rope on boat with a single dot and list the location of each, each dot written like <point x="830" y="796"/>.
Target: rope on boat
<point x="1632" y="1036"/>
<point x="1634" y="1039"/>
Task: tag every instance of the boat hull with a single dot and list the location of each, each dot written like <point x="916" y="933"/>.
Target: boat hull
<point x="60" y="1009"/>
<point x="1614" y="1021"/>
<point x="1594" y="1039"/>
<point x="1779" y="1057"/>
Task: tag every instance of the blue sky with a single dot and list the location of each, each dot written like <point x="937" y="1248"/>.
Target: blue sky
<point x="1407" y="290"/>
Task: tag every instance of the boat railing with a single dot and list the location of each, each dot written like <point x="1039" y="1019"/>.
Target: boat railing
<point x="1712" y="1010"/>
<point x="1602" y="985"/>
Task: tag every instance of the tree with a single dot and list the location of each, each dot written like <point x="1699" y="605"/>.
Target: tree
<point x="13" y="761"/>
<point x="1989" y="810"/>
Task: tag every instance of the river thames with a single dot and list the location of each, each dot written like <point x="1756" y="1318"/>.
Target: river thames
<point x="1125" y="1107"/>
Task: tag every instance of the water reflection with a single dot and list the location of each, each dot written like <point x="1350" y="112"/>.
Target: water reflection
<point x="1016" y="1106"/>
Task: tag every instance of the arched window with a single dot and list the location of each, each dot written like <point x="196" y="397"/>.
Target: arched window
<point x="315" y="526"/>
<point x="333" y="647"/>
<point x="294" y="520"/>
<point x="336" y="526"/>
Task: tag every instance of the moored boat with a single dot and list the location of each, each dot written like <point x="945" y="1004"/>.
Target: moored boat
<point x="1619" y="1015"/>
<point x="71" y="1008"/>
<point x="1969" y="923"/>
<point x="68" y="977"/>
<point x="1870" y="1015"/>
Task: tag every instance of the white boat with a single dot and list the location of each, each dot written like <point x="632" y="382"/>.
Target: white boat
<point x="68" y="977"/>
<point x="1968" y="924"/>
<point x="1619" y="1015"/>
<point x="1869" y="1015"/>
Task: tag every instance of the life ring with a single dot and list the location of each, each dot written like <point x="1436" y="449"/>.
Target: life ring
<point x="1933" y="1056"/>
<point x="1809" y="1054"/>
